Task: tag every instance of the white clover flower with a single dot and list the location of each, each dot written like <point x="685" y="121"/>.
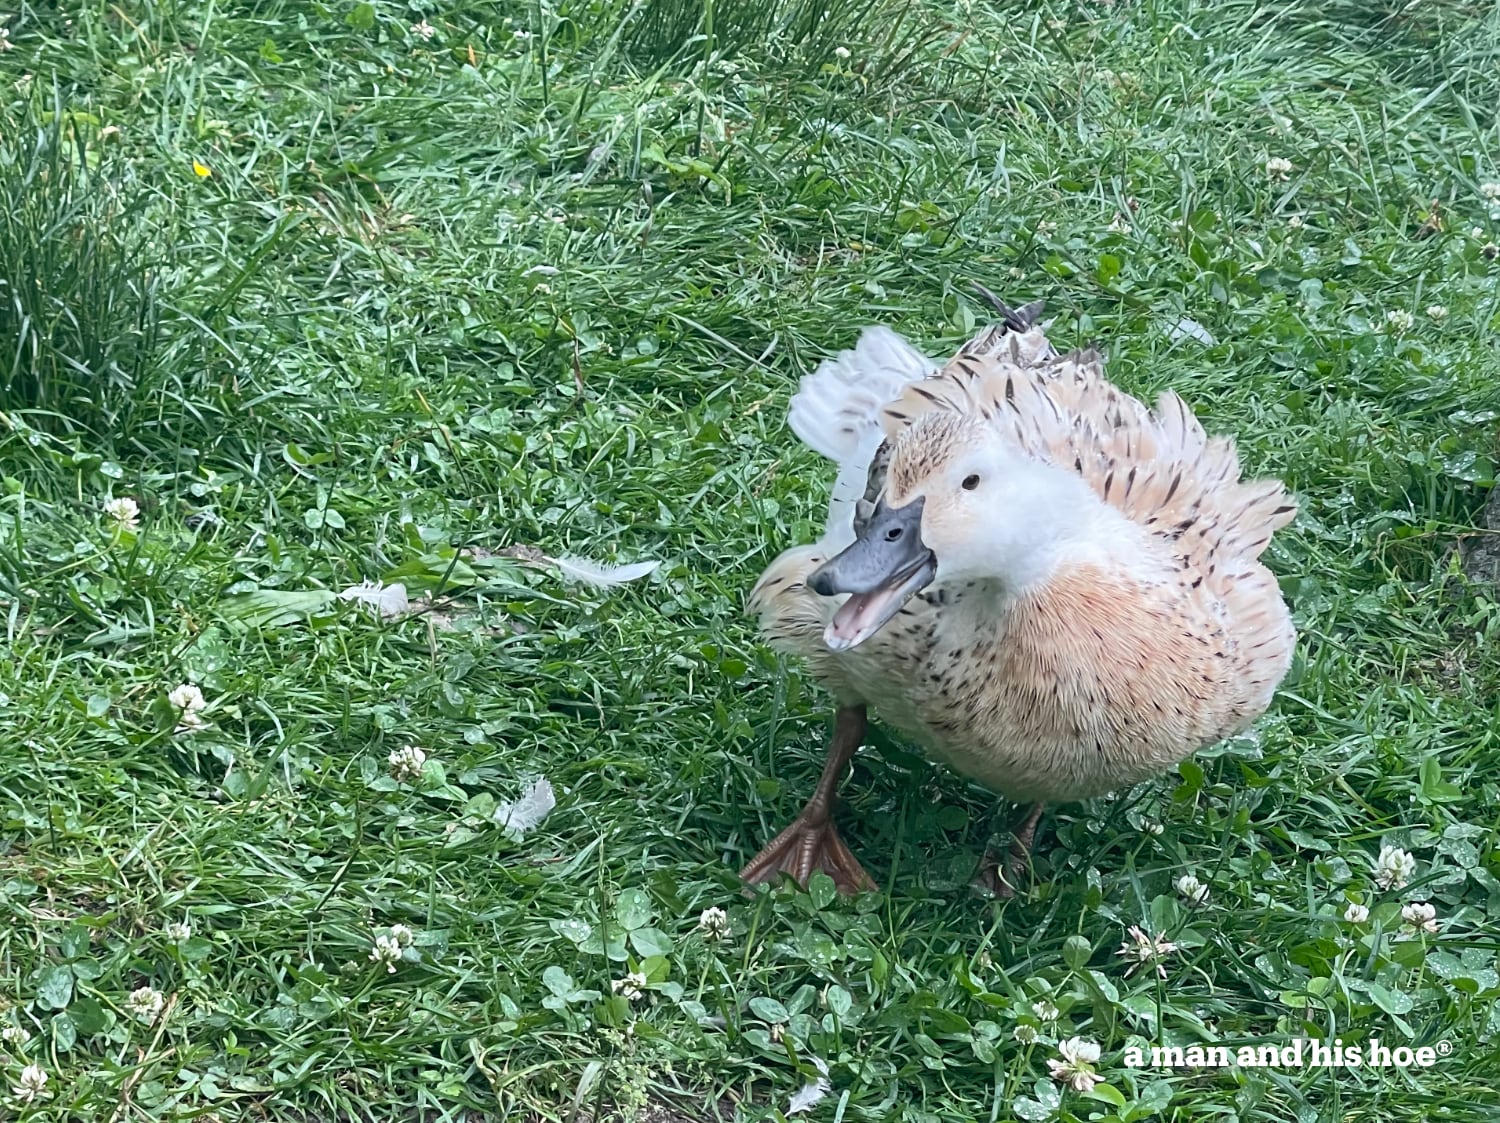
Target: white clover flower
<point x="422" y="29"/>
<point x="1490" y="191"/>
<point x="1394" y="868"/>
<point x="406" y="763"/>
<point x="125" y="511"/>
<point x="841" y="52"/>
<point x="402" y="935"/>
<point x="1074" y="1064"/>
<point x="631" y="987"/>
<point x="520" y="34"/>
<point x="1046" y="229"/>
<point x="1025" y="1034"/>
<point x="1191" y="888"/>
<point x="1151" y="826"/>
<point x="33" y="1083"/>
<point x="1120" y="224"/>
<point x="1476" y="232"/>
<point x="1278" y="167"/>
<point x="713" y="922"/>
<point x="145" y="1004"/>
<point x="1145" y="949"/>
<point x="1437" y="312"/>
<point x="1295" y="222"/>
<point x="1356" y="913"/>
<point x="1420" y="915"/>
<point x="187" y="698"/>
<point x="15" y="1036"/>
<point x="1398" y="320"/>
<point x="1044" y="1011"/>
<point x="178" y="930"/>
<point x="543" y="287"/>
<point x="387" y="950"/>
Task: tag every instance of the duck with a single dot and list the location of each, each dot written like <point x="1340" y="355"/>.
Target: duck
<point x="1053" y="589"/>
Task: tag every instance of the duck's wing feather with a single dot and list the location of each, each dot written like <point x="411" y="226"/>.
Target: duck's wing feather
<point x="1157" y="466"/>
<point x="836" y="411"/>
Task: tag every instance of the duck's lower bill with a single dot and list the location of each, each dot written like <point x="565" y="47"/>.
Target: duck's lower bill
<point x="885" y="565"/>
<point x="864" y="614"/>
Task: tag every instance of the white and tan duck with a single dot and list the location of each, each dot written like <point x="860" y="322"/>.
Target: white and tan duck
<point x="1052" y="588"/>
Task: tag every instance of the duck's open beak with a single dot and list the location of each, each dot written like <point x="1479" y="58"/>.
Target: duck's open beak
<point x="883" y="568"/>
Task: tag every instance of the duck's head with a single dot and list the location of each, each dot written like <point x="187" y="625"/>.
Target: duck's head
<point x="960" y="504"/>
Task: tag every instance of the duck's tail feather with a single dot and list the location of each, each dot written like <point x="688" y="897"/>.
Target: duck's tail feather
<point x="1015" y="319"/>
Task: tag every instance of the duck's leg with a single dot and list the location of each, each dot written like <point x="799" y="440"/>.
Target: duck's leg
<point x="1002" y="880"/>
<point x="812" y="842"/>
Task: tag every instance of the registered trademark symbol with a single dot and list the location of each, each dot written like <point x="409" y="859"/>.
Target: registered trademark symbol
<point x="1444" y="1048"/>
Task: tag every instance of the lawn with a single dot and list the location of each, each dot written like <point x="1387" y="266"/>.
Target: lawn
<point x="432" y="294"/>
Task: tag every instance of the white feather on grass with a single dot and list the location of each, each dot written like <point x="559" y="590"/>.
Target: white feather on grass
<point x="1185" y="328"/>
<point x="386" y="601"/>
<point x="599" y="575"/>
<point x="526" y="813"/>
<point x="812" y="1093"/>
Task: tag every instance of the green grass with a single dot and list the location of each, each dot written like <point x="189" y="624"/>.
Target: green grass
<point x="78" y="309"/>
<point x="554" y="290"/>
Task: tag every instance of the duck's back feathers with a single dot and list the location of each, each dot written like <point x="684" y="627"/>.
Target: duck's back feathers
<point x="1158" y="467"/>
<point x="836" y="411"/>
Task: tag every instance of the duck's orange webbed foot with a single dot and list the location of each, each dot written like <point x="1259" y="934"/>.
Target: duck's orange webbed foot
<point x="812" y="842"/>
<point x="1001" y="878"/>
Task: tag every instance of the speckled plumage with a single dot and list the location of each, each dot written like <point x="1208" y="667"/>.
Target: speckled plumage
<point x="1152" y="630"/>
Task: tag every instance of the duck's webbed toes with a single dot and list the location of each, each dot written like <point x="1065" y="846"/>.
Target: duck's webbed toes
<point x="995" y="875"/>
<point x="812" y="842"/>
<point x="1000" y="875"/>
<point x="805" y="847"/>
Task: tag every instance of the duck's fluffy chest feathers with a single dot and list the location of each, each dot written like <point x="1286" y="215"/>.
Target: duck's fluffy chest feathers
<point x="1097" y="681"/>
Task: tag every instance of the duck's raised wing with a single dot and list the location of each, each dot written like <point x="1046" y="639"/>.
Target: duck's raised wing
<point x="836" y="411"/>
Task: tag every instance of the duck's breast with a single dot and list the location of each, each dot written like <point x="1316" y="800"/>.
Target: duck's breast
<point x="1095" y="683"/>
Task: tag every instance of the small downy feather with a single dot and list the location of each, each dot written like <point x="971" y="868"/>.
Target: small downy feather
<point x="599" y="575"/>
<point x="386" y="601"/>
<point x="812" y="1093"/>
<point x="526" y="813"/>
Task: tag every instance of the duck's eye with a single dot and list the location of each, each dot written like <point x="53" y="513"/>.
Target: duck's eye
<point x="971" y="482"/>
